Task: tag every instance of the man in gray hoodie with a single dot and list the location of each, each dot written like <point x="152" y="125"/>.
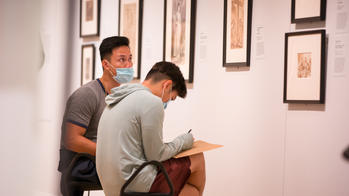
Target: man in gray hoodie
<point x="130" y="133"/>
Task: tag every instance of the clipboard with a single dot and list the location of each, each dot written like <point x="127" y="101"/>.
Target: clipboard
<point x="198" y="147"/>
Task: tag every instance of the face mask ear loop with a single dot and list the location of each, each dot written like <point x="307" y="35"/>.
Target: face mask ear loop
<point x="162" y="94"/>
<point x="170" y="94"/>
<point x="111" y="73"/>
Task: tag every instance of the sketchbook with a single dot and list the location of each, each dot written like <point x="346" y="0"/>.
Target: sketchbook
<point x="198" y="146"/>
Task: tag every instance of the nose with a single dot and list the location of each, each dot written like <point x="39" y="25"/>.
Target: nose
<point x="129" y="63"/>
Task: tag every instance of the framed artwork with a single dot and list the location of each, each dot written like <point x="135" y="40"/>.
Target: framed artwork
<point x="130" y="26"/>
<point x="237" y="32"/>
<point x="179" y="35"/>
<point x="308" y="10"/>
<point x="89" y="17"/>
<point x="87" y="63"/>
<point x="304" y="74"/>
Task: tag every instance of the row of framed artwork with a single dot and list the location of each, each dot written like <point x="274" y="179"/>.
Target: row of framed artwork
<point x="304" y="51"/>
<point x="237" y="11"/>
<point x="305" y="56"/>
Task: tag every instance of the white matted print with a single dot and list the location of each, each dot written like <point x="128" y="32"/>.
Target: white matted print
<point x="87" y="63"/>
<point x="130" y="26"/>
<point x="237" y="32"/>
<point x="179" y="35"/>
<point x="89" y="17"/>
<point x="308" y="10"/>
<point x="304" y="67"/>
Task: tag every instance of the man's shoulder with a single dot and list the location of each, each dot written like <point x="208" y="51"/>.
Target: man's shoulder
<point x="147" y="103"/>
<point x="93" y="85"/>
<point x="146" y="99"/>
<point x="147" y="96"/>
<point x="89" y="90"/>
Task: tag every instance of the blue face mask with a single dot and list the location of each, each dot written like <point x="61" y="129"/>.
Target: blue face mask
<point x="165" y="104"/>
<point x="124" y="75"/>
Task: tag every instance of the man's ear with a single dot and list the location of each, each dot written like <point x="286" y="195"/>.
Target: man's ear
<point x="168" y="84"/>
<point x="105" y="64"/>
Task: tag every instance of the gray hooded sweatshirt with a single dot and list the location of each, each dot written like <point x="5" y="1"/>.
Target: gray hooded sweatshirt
<point x="129" y="134"/>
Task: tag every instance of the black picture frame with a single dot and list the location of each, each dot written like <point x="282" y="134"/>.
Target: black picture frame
<point x="305" y="67"/>
<point x="90" y="18"/>
<point x="310" y="18"/>
<point x="87" y="63"/>
<point x="238" y="37"/>
<point x="135" y="28"/>
<point x="176" y="43"/>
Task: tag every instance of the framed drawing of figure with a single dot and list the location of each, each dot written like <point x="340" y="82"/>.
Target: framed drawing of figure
<point x="237" y="32"/>
<point x="179" y="35"/>
<point x="87" y="63"/>
<point x="304" y="74"/>
<point x="130" y="26"/>
<point x="89" y="17"/>
<point x="308" y="10"/>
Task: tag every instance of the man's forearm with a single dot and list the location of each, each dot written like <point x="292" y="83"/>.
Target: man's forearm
<point x="82" y="145"/>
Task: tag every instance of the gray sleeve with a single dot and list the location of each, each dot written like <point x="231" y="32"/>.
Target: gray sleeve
<point x="81" y="107"/>
<point x="154" y="147"/>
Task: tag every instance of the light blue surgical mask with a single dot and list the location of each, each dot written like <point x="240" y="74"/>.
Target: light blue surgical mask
<point x="166" y="103"/>
<point x="124" y="75"/>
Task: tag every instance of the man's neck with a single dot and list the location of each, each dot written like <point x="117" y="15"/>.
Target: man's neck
<point x="152" y="87"/>
<point x="108" y="82"/>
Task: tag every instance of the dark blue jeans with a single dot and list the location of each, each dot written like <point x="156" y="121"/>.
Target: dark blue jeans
<point x="84" y="170"/>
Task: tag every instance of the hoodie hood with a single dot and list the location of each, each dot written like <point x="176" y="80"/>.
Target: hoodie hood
<point x="119" y="93"/>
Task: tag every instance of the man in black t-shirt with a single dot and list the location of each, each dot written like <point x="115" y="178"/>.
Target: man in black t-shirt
<point x="85" y="106"/>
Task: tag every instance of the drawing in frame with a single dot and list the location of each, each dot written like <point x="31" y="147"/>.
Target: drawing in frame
<point x="87" y="63"/>
<point x="179" y="35"/>
<point x="89" y="17"/>
<point x="308" y="10"/>
<point x="237" y="32"/>
<point x="130" y="26"/>
<point x="304" y="70"/>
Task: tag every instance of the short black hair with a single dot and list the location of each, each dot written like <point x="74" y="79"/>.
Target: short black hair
<point x="167" y="70"/>
<point x="109" y="43"/>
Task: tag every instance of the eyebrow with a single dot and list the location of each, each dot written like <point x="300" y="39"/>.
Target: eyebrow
<point x="123" y="55"/>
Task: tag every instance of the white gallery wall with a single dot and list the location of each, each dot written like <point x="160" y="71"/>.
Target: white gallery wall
<point x="53" y="82"/>
<point x="21" y="56"/>
<point x="270" y="148"/>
